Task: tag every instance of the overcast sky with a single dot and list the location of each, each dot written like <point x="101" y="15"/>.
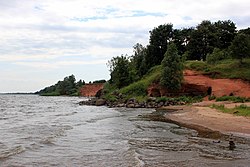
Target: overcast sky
<point x="43" y="41"/>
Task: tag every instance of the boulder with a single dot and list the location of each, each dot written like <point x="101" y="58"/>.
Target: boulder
<point x="100" y="102"/>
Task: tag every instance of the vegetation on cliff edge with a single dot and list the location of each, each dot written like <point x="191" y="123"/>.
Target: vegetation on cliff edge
<point x="216" y="49"/>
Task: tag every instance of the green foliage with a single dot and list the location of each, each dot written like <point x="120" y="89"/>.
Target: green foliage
<point x="242" y="109"/>
<point x="50" y="94"/>
<point x="245" y="31"/>
<point x="181" y="38"/>
<point x="212" y="97"/>
<point x="158" y="43"/>
<point x="196" y="65"/>
<point x="138" y="61"/>
<point x="228" y="68"/>
<point x="186" y="99"/>
<point x="240" y="47"/>
<point x="225" y="33"/>
<point x="119" y="71"/>
<point x="139" y="88"/>
<point x="162" y="99"/>
<point x="110" y="97"/>
<point x="108" y="88"/>
<point x="68" y="87"/>
<point x="235" y="99"/>
<point x="209" y="40"/>
<point x="216" y="56"/>
<point x="207" y="36"/>
<point x="99" y="81"/>
<point x="172" y="72"/>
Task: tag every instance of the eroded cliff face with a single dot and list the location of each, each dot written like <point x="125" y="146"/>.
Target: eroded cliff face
<point x="194" y="84"/>
<point x="197" y="84"/>
<point x="220" y="87"/>
<point x="90" y="90"/>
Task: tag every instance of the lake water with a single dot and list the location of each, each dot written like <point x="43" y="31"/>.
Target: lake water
<point x="56" y="131"/>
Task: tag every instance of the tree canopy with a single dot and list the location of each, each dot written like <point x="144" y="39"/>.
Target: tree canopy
<point x="240" y="47"/>
<point x="68" y="86"/>
<point x="119" y="71"/>
<point x="208" y="41"/>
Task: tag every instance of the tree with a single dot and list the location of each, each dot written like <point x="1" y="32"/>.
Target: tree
<point x="181" y="38"/>
<point x="80" y="83"/>
<point x="245" y="31"/>
<point x="137" y="59"/>
<point x="225" y="32"/>
<point x="240" y="47"/>
<point x="158" y="43"/>
<point x="119" y="71"/>
<point x="203" y="40"/>
<point x="172" y="72"/>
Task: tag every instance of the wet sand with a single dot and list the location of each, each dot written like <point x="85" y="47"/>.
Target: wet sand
<point x="209" y="121"/>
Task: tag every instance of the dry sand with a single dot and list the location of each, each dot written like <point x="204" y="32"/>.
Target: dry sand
<point x="200" y="115"/>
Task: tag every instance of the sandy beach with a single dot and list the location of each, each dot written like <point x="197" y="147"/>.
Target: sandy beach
<point x="200" y="116"/>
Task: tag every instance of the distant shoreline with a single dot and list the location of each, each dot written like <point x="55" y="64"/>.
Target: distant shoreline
<point x="18" y="93"/>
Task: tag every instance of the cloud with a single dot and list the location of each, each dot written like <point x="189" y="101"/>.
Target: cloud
<point x="60" y="64"/>
<point x="72" y="33"/>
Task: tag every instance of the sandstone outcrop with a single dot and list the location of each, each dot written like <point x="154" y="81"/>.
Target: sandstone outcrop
<point x="220" y="87"/>
<point x="197" y="84"/>
<point x="90" y="90"/>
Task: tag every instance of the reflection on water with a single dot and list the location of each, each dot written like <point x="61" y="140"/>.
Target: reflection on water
<point x="56" y="131"/>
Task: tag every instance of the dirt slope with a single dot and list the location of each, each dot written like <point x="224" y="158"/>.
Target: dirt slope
<point x="220" y="87"/>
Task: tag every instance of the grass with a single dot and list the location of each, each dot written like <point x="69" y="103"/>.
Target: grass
<point x="234" y="99"/>
<point x="242" y="110"/>
<point x="139" y="88"/>
<point x="186" y="99"/>
<point x="228" y="68"/>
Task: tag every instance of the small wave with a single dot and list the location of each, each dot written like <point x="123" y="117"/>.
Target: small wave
<point x="133" y="158"/>
<point x="48" y="141"/>
<point x="66" y="114"/>
<point x="12" y="151"/>
<point x="94" y="120"/>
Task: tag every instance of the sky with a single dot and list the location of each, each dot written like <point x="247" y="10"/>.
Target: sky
<point x="43" y="41"/>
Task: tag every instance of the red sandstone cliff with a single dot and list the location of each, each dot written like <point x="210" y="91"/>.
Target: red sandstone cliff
<point x="220" y="87"/>
<point x="90" y="90"/>
<point x="196" y="83"/>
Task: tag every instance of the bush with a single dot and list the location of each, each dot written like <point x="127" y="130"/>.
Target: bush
<point x="196" y="65"/>
<point x="235" y="99"/>
<point x="161" y="99"/>
<point x="216" y="56"/>
<point x="136" y="89"/>
<point x="110" y="97"/>
<point x="186" y="99"/>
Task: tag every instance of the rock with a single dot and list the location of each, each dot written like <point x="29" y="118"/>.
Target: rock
<point x="138" y="105"/>
<point x="132" y="100"/>
<point x="100" y="102"/>
<point x="120" y="105"/>
<point x="160" y="104"/>
<point x="130" y="105"/>
<point x="151" y="99"/>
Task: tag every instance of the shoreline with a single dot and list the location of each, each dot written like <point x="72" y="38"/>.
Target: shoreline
<point x="208" y="122"/>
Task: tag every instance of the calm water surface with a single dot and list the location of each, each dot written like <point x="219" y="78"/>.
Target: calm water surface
<point x="56" y="131"/>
